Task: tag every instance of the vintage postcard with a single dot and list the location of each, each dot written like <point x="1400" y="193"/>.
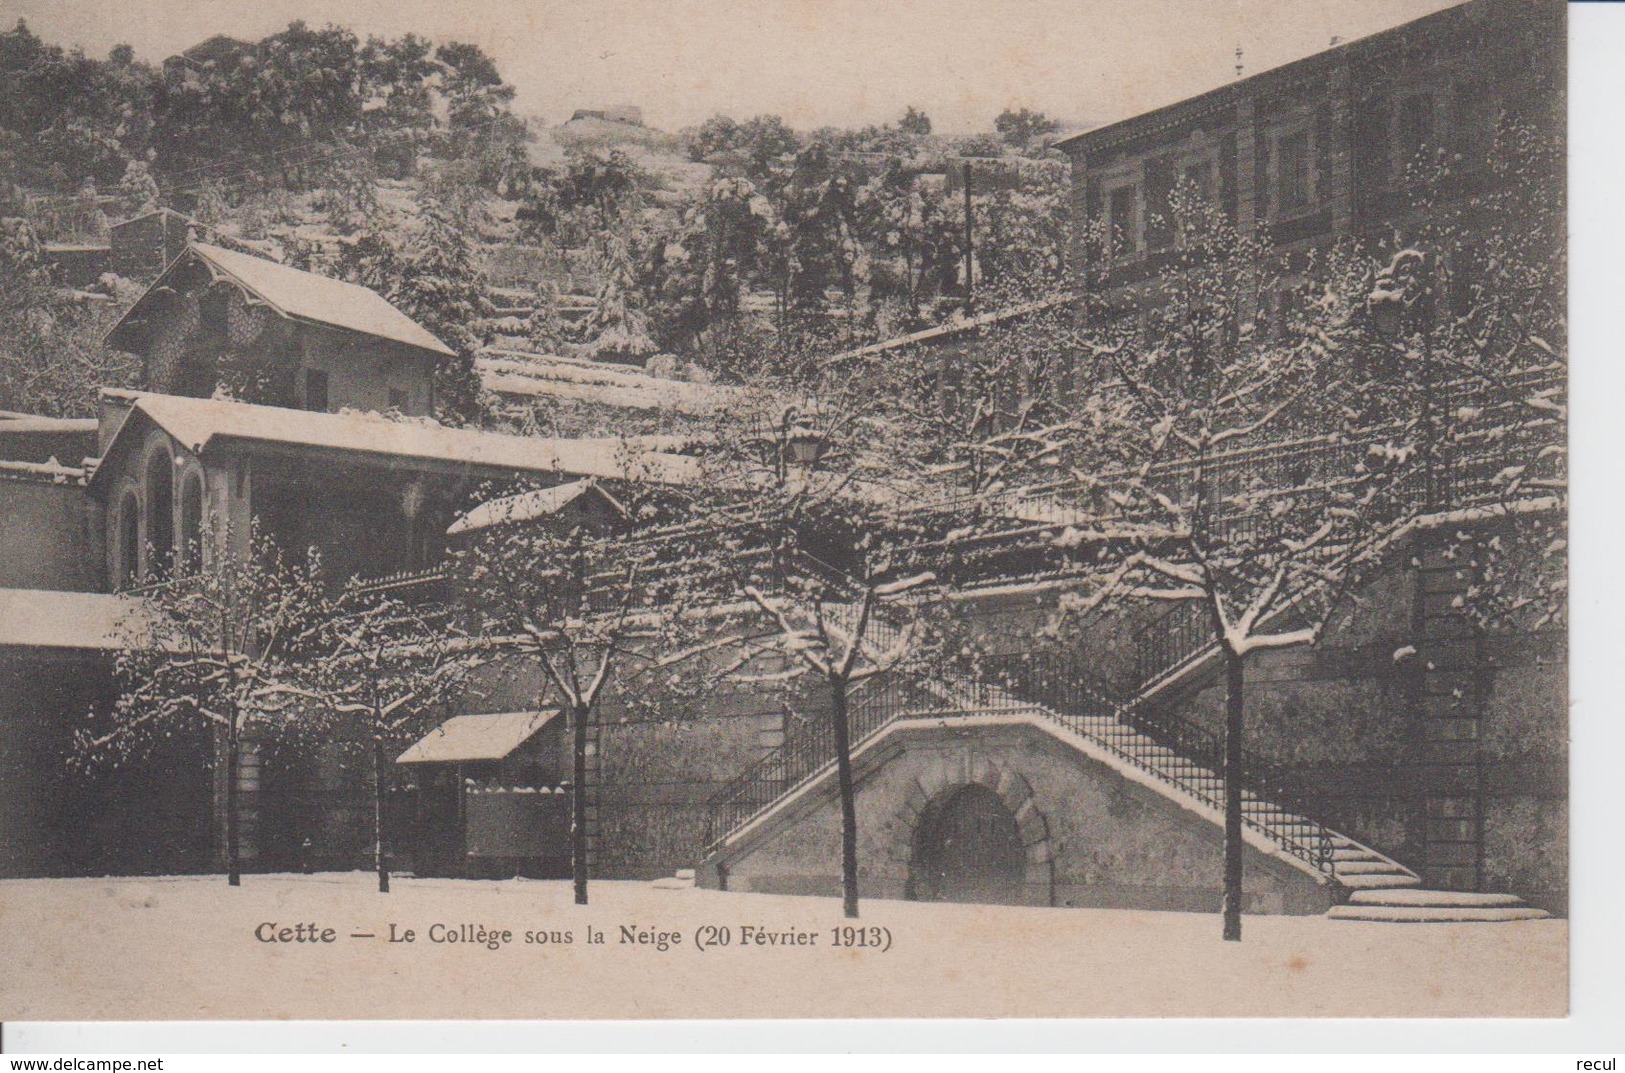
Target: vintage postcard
<point x="792" y="509"/>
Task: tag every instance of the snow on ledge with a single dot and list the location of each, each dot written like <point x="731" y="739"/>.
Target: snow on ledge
<point x="1082" y="744"/>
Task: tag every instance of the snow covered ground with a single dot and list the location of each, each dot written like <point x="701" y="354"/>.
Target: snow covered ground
<point x="193" y="947"/>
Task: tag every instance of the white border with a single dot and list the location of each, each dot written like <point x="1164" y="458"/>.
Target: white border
<point x="1597" y="291"/>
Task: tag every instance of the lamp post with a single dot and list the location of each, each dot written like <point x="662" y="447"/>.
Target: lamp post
<point x="1401" y="305"/>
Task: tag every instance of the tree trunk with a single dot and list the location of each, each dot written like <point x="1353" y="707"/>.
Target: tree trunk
<point x="1232" y="794"/>
<point x="578" y="806"/>
<point x="234" y="875"/>
<point x="849" y="810"/>
<point x="379" y="846"/>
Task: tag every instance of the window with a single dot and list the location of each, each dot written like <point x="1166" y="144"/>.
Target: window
<point x="1294" y="170"/>
<point x="1198" y="175"/>
<point x="315" y="390"/>
<point x="1413" y="128"/>
<point x="398" y="399"/>
<point x="1123" y="221"/>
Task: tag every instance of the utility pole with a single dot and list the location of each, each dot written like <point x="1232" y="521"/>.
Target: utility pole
<point x="970" y="263"/>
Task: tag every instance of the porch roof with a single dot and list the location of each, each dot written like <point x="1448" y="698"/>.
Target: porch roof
<point x="476" y="737"/>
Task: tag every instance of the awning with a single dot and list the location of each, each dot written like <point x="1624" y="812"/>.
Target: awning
<point x="476" y="737"/>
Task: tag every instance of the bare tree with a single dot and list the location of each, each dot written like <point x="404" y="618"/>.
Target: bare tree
<point x="584" y="602"/>
<point x="1241" y="478"/>
<point x="390" y="666"/>
<point x="805" y="507"/>
<point x="221" y="648"/>
<point x="836" y="633"/>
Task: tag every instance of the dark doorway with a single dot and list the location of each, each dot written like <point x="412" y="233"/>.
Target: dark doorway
<point x="967" y="849"/>
<point x="160" y="482"/>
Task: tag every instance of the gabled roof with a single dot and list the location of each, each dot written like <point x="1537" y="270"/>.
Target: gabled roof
<point x="527" y="506"/>
<point x="476" y="737"/>
<point x="205" y="425"/>
<point x="298" y="295"/>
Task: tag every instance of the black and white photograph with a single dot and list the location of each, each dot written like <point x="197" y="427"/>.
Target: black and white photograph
<point x="784" y="510"/>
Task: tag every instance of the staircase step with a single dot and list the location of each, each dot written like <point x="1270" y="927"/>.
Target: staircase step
<point x="1438" y="899"/>
<point x="1368" y="868"/>
<point x="1386" y="881"/>
<point x="1429" y="914"/>
<point x="1353" y="853"/>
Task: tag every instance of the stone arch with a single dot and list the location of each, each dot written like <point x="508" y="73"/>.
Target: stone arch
<point x="942" y="782"/>
<point x="158" y="486"/>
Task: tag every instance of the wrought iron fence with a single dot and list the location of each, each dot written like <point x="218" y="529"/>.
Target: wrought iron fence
<point x="1054" y="686"/>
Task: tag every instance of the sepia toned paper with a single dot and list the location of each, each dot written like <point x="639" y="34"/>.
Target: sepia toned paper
<point x="233" y="318"/>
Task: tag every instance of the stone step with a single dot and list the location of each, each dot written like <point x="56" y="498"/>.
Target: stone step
<point x="1367" y="868"/>
<point x="1353" y="853"/>
<point x="1385" y="881"/>
<point x="1429" y="914"/>
<point x="1441" y="899"/>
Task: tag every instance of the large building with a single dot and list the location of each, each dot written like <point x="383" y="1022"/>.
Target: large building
<point x="345" y="461"/>
<point x="1330" y="147"/>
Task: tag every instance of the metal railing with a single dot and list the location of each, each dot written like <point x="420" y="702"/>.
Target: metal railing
<point x="1056" y="687"/>
<point x="1469" y="447"/>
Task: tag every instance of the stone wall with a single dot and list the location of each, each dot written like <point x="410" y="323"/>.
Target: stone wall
<point x="1090" y="835"/>
<point x="50" y="535"/>
<point x="1446" y="753"/>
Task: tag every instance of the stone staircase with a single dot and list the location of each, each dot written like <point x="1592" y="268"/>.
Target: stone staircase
<point x="1109" y="729"/>
<point x="1181" y="758"/>
<point x="1411" y="905"/>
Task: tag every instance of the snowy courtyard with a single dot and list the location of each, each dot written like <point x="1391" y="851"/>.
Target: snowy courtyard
<point x="320" y="946"/>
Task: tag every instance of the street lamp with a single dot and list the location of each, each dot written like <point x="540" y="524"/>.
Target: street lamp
<point x="1401" y="304"/>
<point x="800" y="444"/>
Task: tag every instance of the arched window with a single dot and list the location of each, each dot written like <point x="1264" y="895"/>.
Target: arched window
<point x="127" y="552"/>
<point x="189" y="547"/>
<point x="160" y="489"/>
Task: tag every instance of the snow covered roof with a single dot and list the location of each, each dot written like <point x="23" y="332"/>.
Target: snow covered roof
<point x="951" y="328"/>
<point x="202" y="424"/>
<point x="11" y="421"/>
<point x="524" y="374"/>
<point x="41" y="618"/>
<point x="476" y="737"/>
<point x="51" y="472"/>
<point x="298" y="295"/>
<point x="529" y="505"/>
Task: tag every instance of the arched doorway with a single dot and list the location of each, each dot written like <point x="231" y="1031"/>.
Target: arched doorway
<point x="160" y="488"/>
<point x="968" y="849"/>
<point x="189" y="542"/>
<point x="127" y="555"/>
